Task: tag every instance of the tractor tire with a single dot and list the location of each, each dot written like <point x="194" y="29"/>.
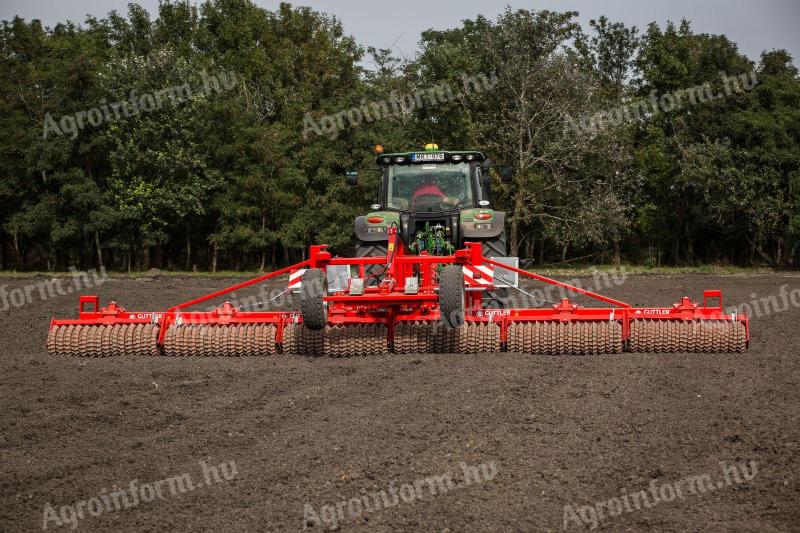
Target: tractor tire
<point x="312" y="305"/>
<point x="372" y="249"/>
<point x="495" y="247"/>
<point x="451" y="296"/>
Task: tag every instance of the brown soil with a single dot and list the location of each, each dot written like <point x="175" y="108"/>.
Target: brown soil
<point x="303" y="430"/>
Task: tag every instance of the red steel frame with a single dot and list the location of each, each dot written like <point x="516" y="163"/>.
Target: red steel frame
<point x="388" y="303"/>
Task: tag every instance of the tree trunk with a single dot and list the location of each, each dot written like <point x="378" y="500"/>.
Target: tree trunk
<point x="98" y="249"/>
<point x="529" y="248"/>
<point x="214" y="259"/>
<point x="780" y="254"/>
<point x="764" y="255"/>
<point x="518" y="205"/>
<point x="617" y="254"/>
<point x="264" y="249"/>
<point x="564" y="252"/>
<point x="187" y="265"/>
<point x="15" y="235"/>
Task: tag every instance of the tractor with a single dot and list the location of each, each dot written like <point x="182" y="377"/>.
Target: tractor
<point x="437" y="199"/>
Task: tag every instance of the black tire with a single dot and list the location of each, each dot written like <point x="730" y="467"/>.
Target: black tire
<point x="451" y="296"/>
<point x="312" y="305"/>
<point x="372" y="273"/>
<point x="495" y="247"/>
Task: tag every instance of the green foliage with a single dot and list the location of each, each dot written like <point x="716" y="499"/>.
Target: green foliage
<point x="230" y="177"/>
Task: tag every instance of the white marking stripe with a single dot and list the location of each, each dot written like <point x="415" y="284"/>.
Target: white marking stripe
<point x="489" y="271"/>
<point x="486" y="275"/>
<point x="296" y="278"/>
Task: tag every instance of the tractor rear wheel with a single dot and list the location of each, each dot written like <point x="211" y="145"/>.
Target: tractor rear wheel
<point x="312" y="305"/>
<point x="495" y="247"/>
<point x="451" y="296"/>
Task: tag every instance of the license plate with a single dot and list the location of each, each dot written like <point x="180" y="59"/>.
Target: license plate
<point x="428" y="156"/>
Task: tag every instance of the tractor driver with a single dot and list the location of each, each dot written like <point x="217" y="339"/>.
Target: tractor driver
<point x="429" y="196"/>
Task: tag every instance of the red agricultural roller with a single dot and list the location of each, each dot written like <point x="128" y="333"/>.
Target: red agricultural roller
<point x="430" y="276"/>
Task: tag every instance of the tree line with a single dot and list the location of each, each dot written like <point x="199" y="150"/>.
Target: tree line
<point x="217" y="136"/>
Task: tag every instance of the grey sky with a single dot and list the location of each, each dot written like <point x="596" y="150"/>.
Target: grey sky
<point x="754" y="25"/>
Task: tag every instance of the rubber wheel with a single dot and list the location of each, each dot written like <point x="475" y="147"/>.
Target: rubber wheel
<point x="495" y="247"/>
<point x="312" y="305"/>
<point x="372" y="249"/>
<point x="451" y="296"/>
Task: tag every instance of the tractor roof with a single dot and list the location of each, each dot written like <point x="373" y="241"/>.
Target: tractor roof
<point x="430" y="156"/>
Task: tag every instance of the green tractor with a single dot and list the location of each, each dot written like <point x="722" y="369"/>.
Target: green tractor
<point x="438" y="199"/>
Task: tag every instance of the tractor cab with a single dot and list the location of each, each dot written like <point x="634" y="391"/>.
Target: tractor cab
<point x="433" y="195"/>
<point x="449" y="181"/>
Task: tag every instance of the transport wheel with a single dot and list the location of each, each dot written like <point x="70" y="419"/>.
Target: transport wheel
<point x="451" y="296"/>
<point x="312" y="291"/>
<point x="372" y="273"/>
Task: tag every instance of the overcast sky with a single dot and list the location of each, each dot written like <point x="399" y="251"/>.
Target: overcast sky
<point x="754" y="25"/>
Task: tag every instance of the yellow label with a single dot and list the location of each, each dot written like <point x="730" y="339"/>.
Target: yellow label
<point x="391" y="247"/>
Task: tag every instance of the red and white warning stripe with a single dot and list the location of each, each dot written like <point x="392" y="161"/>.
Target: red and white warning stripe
<point x="478" y="276"/>
<point x="296" y="279"/>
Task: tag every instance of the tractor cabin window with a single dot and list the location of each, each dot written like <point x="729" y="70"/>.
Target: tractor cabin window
<point x="429" y="188"/>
